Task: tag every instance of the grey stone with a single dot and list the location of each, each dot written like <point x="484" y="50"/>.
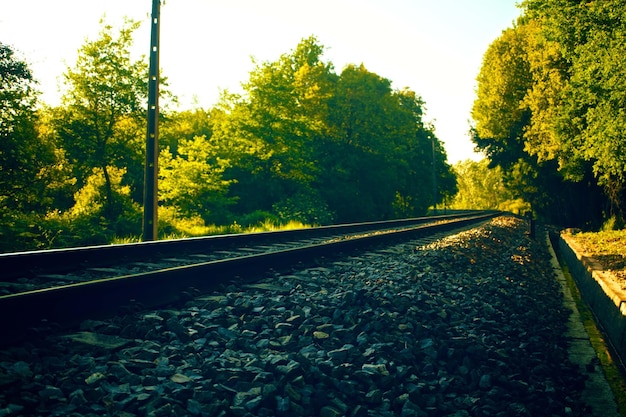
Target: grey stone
<point x="51" y="393"/>
<point x="78" y="398"/>
<point x="375" y="369"/>
<point x="374" y="397"/>
<point x="340" y="354"/>
<point x="328" y="411"/>
<point x="282" y="405"/>
<point x="485" y="381"/>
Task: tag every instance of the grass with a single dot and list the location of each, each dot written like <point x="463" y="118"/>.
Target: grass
<point x="608" y="247"/>
<point x="603" y="242"/>
<point x="265" y="226"/>
<point x="269" y="226"/>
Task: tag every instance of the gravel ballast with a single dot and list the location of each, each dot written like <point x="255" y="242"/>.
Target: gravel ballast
<point x="470" y="325"/>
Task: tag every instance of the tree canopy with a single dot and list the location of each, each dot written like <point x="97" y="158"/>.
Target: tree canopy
<point x="100" y="120"/>
<point x="482" y="188"/>
<point x="311" y="135"/>
<point x="23" y="156"/>
<point x="549" y="107"/>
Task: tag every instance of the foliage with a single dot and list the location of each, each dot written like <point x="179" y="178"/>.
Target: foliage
<point x="588" y="44"/>
<point x="18" y="232"/>
<point x="302" y="145"/>
<point x="270" y="226"/>
<point x="99" y="122"/>
<point x="192" y="180"/>
<point x="484" y="188"/>
<point x="518" y="206"/>
<point x="274" y="127"/>
<point x="310" y="143"/>
<point x="608" y="247"/>
<point x="24" y="157"/>
<point x="173" y="225"/>
<point x="93" y="214"/>
<point x="612" y="223"/>
<point x="379" y="153"/>
<point x="186" y="124"/>
<point x="503" y="81"/>
<point x="255" y="218"/>
<point x="16" y="89"/>
<point x="480" y="187"/>
<point x="522" y="92"/>
<point x="606" y="242"/>
<point x="308" y="208"/>
<point x="552" y="93"/>
<point x="83" y="224"/>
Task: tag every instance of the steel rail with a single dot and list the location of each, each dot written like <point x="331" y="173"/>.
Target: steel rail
<point x="62" y="260"/>
<point x="69" y="304"/>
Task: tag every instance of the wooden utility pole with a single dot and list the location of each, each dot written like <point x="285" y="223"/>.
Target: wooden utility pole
<point x="434" y="176"/>
<point x="150" y="200"/>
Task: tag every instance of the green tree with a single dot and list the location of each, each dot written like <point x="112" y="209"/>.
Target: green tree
<point x="24" y="157"/>
<point x="446" y="179"/>
<point x="310" y="145"/>
<point x="274" y="127"/>
<point x="357" y="154"/>
<point x="88" y="218"/>
<point x="500" y="114"/>
<point x="100" y="121"/>
<point x="416" y="160"/>
<point x="503" y="118"/>
<point x="480" y="187"/>
<point x="192" y="181"/>
<point x="379" y="151"/>
<point x="503" y="81"/>
<point x="514" y="127"/>
<point x="587" y="126"/>
<point x="186" y="124"/>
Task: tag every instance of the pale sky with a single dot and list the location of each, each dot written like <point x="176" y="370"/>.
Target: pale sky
<point x="433" y="47"/>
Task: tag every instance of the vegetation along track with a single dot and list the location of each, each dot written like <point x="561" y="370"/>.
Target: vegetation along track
<point x="161" y="283"/>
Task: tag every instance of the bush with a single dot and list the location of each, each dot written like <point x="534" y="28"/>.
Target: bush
<point x="172" y="225"/>
<point x="612" y="223"/>
<point x="517" y="206"/>
<point x="257" y="217"/>
<point x="304" y="207"/>
<point x="19" y="232"/>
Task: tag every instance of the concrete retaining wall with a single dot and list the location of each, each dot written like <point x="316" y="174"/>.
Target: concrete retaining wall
<point x="605" y="297"/>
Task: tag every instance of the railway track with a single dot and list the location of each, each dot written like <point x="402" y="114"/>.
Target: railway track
<point x="454" y="319"/>
<point x="62" y="287"/>
<point x="27" y="271"/>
